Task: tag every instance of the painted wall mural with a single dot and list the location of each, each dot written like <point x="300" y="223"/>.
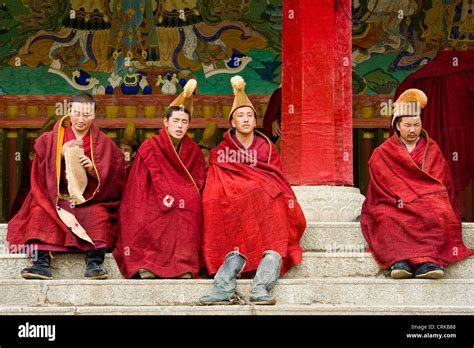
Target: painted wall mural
<point x="132" y="47"/>
<point x="398" y="37"/>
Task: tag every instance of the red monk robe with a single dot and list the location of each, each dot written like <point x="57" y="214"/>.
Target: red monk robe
<point x="250" y="206"/>
<point x="409" y="212"/>
<point x="53" y="223"/>
<point x="160" y="217"/>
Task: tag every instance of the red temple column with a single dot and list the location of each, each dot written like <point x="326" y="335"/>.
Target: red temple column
<point x="317" y="107"/>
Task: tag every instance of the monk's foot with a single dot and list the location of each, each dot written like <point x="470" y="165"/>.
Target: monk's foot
<point x="146" y="274"/>
<point x="429" y="270"/>
<point x="265" y="278"/>
<point x="215" y="300"/>
<point x="401" y="270"/>
<point x="36" y="273"/>
<point x="263" y="300"/>
<point x="96" y="273"/>
<point x="41" y="268"/>
<point x="94" y="260"/>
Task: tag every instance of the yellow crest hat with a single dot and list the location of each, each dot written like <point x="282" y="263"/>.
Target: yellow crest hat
<point x="185" y="98"/>
<point x="240" y="97"/>
<point x="409" y="103"/>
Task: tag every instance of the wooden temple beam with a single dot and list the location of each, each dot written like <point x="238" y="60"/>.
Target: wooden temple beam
<point x="115" y="111"/>
<point x="153" y="123"/>
<point x="111" y="123"/>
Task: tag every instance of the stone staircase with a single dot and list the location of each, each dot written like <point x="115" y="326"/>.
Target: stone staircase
<point x="336" y="276"/>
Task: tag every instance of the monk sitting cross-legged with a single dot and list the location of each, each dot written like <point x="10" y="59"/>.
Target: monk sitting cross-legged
<point x="76" y="183"/>
<point x="160" y="217"/>
<point x="409" y="217"/>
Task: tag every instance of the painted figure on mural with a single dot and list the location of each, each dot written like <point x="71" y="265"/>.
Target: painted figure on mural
<point x="409" y="218"/>
<point x="76" y="184"/>
<point x="160" y="216"/>
<point x="252" y="220"/>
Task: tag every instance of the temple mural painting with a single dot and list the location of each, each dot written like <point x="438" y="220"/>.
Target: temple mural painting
<point x="138" y="47"/>
<point x="154" y="46"/>
<point x="398" y="37"/>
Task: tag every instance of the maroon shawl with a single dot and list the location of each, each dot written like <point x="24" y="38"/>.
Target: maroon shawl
<point x="39" y="219"/>
<point x="248" y="205"/>
<point x="160" y="217"/>
<point x="409" y="211"/>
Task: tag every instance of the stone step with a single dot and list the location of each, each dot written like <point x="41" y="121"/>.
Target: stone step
<point x="343" y="265"/>
<point x="320" y="236"/>
<point x="168" y="292"/>
<point x="313" y="265"/>
<point x="347" y="236"/>
<point x="278" y="309"/>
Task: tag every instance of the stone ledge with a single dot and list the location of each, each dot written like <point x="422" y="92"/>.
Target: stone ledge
<point x="240" y="310"/>
<point x="322" y="291"/>
<point x="313" y="265"/>
<point x="321" y="236"/>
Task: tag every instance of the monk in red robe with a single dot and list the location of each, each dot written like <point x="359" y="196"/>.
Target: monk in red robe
<point x="409" y="218"/>
<point x="252" y="220"/>
<point x="160" y="217"/>
<point x="76" y="184"/>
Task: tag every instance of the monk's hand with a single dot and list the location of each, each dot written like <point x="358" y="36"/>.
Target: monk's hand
<point x="276" y="131"/>
<point x="87" y="164"/>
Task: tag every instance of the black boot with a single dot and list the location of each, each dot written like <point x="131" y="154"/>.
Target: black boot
<point x="41" y="268"/>
<point x="429" y="270"/>
<point x="401" y="270"/>
<point x="94" y="260"/>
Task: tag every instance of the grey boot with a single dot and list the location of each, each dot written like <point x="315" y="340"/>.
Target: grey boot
<point x="225" y="280"/>
<point x="267" y="274"/>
